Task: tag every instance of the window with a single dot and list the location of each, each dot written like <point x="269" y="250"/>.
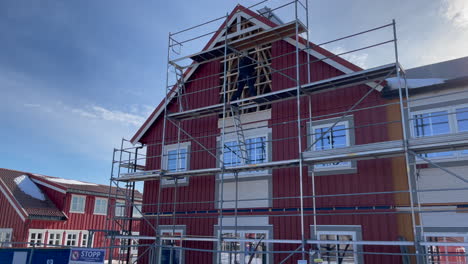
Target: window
<point x="462" y="119"/>
<point x="170" y="249"/>
<point x="5" y="237"/>
<point x="100" y="206"/>
<point x="446" y="254"/>
<point x="77" y="204"/>
<point x="71" y="239"/>
<point x="36" y="237"/>
<point x="120" y="208"/>
<point x="55" y="238"/>
<point x="243" y="252"/>
<point x="327" y="137"/>
<point x="176" y="159"/>
<point x="133" y="243"/>
<point x="431" y="124"/>
<point x="441" y="121"/>
<point x="338" y="253"/>
<point x="256" y="152"/>
<point x="85" y="238"/>
<point x="136" y="210"/>
<point x="341" y="251"/>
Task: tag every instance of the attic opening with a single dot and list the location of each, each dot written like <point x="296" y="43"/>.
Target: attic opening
<point x="261" y="55"/>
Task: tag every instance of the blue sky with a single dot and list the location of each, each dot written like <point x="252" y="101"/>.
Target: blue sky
<point x="77" y="76"/>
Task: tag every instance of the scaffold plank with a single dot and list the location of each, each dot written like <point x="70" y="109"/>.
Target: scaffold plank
<point x="383" y="149"/>
<point x="342" y="81"/>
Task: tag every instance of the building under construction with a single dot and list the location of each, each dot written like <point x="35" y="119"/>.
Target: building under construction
<point x="317" y="160"/>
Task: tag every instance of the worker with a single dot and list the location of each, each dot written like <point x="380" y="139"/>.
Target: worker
<point x="247" y="76"/>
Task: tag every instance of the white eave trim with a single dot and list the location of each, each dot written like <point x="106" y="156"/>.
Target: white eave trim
<point x="49" y="186"/>
<point x="291" y="41"/>
<point x="8" y="196"/>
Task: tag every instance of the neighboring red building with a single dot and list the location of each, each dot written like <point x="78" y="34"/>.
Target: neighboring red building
<point x="48" y="211"/>
<point x="266" y="209"/>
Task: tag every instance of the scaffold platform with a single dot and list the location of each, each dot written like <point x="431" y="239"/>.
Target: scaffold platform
<point x="342" y="81"/>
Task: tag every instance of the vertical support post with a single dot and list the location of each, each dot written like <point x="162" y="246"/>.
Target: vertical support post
<point x="298" y="102"/>
<point x="110" y="221"/>
<point x="409" y="170"/>
<point x="166" y="101"/>
<point x="223" y="127"/>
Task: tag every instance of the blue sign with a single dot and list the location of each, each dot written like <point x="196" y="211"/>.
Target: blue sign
<point x="87" y="256"/>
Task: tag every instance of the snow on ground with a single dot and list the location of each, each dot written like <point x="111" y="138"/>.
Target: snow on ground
<point x="414" y="83"/>
<point x="73" y="182"/>
<point x="29" y="187"/>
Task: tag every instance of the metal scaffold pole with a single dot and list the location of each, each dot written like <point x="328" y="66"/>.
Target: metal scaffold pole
<point x="409" y="159"/>
<point x="299" y="128"/>
<point x="223" y="132"/>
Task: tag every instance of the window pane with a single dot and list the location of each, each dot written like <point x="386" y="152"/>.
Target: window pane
<point x="231" y="154"/>
<point x="172" y="160"/>
<point x="462" y="119"/>
<point x="177" y="160"/>
<point x="431" y="124"/>
<point x="256" y="150"/>
<point x="335" y="138"/>
<point x="337" y="253"/>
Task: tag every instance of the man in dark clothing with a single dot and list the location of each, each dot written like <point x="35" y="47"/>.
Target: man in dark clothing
<point x="246" y="76"/>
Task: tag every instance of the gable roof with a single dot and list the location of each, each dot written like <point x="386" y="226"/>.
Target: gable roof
<point x="316" y="51"/>
<point x="26" y="197"/>
<point x="74" y="186"/>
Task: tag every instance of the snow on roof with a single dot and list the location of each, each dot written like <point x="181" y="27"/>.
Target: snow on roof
<point x="67" y="181"/>
<point x="29" y="187"/>
<point x="414" y="83"/>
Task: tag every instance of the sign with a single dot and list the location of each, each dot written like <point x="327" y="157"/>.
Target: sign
<point x="87" y="256"/>
<point x="141" y="173"/>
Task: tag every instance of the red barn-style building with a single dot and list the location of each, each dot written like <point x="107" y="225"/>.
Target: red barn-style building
<point x="263" y="204"/>
<point x="45" y="211"/>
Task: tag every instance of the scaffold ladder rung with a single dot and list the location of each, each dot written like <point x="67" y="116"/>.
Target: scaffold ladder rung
<point x="235" y="113"/>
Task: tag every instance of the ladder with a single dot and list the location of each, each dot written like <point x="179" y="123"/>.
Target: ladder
<point x="235" y="113"/>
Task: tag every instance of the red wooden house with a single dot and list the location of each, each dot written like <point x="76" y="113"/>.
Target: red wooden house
<point x="265" y="201"/>
<point x="44" y="211"/>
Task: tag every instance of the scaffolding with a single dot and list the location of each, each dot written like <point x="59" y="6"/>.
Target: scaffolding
<point x="241" y="36"/>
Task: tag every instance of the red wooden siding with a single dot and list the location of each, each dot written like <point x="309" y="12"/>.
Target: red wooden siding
<point x="371" y="176"/>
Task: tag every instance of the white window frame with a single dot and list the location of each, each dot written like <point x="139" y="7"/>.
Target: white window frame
<point x="6" y="235"/>
<point x="85" y="233"/>
<point x="353" y="234"/>
<point x="72" y="232"/>
<point x="445" y="234"/>
<point x="453" y="127"/>
<point x="241" y="252"/>
<point x="313" y="137"/>
<point x="133" y="241"/>
<point x="250" y="134"/>
<point x="120" y="207"/>
<point x="36" y="240"/>
<point x="172" y="231"/>
<point x="55" y="233"/>
<point x="165" y="161"/>
<point x="135" y="211"/>
<point x="72" y="210"/>
<point x="105" y="207"/>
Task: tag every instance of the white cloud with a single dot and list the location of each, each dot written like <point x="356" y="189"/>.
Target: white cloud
<point x="456" y="11"/>
<point x="92" y="130"/>
<point x="360" y="59"/>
